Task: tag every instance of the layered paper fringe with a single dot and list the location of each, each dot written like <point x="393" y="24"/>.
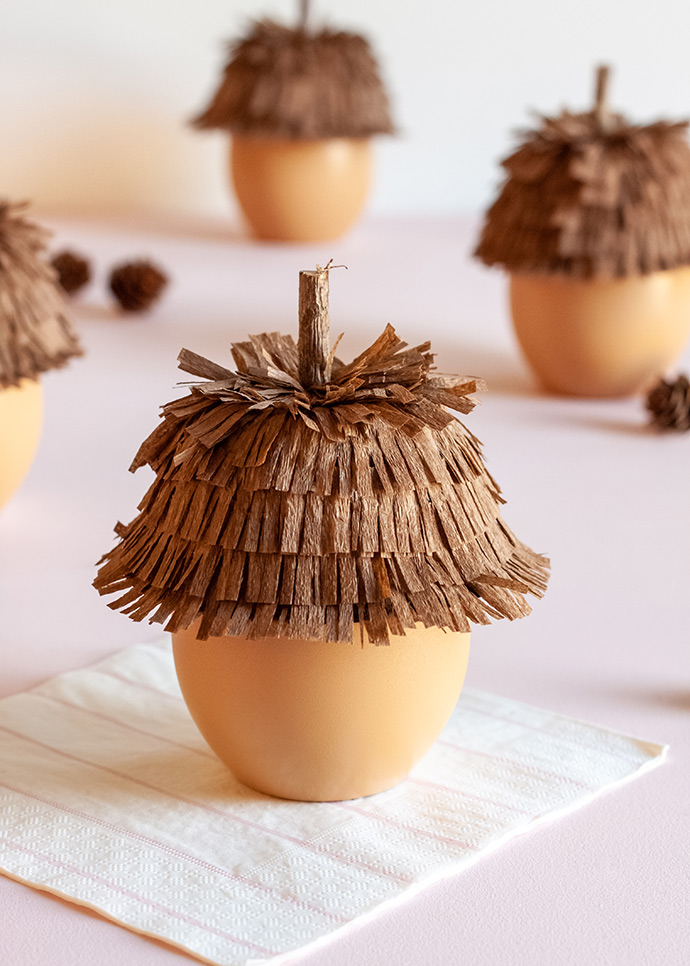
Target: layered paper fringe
<point x="587" y="200"/>
<point x="35" y="335"/>
<point x="280" y="511"/>
<point x="291" y="83"/>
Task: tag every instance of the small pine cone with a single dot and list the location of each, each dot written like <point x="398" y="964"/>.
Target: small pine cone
<point x="669" y="404"/>
<point x="73" y="271"/>
<point x="137" y="285"/>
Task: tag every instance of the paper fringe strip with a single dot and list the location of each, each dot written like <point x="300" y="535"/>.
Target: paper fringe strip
<point x="288" y="82"/>
<point x="282" y="512"/>
<point x="35" y="335"/>
<point x="587" y="200"/>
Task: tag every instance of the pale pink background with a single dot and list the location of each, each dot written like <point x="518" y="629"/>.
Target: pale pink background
<point x="585" y="481"/>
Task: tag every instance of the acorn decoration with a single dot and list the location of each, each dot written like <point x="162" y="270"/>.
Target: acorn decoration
<point x="302" y="105"/>
<point x="668" y="403"/>
<point x="73" y="271"/>
<point x="593" y="225"/>
<point x="137" y="285"/>
<point x="35" y="336"/>
<point x="300" y="504"/>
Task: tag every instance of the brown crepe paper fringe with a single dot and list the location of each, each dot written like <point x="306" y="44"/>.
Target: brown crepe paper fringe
<point x="35" y="335"/>
<point x="283" y="511"/>
<point x="591" y="195"/>
<point x="290" y="82"/>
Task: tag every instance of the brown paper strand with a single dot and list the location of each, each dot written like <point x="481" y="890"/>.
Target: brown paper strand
<point x="292" y="511"/>
<point x="35" y="335"/>
<point x="294" y="82"/>
<point x="591" y="195"/>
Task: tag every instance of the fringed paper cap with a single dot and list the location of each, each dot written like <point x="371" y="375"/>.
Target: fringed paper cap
<point x="298" y="495"/>
<point x="590" y="195"/>
<point x="34" y="333"/>
<point x="292" y="82"/>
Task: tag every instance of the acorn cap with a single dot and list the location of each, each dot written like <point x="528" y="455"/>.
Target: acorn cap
<point x="35" y="335"/>
<point x="291" y="82"/>
<point x="299" y="495"/>
<point x="591" y="195"/>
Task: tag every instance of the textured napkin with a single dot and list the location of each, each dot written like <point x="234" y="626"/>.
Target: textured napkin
<point x="109" y="797"/>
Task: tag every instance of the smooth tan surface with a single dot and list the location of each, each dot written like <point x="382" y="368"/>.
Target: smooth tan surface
<point x="321" y="722"/>
<point x="21" y="415"/>
<point x="300" y="190"/>
<point x="601" y="338"/>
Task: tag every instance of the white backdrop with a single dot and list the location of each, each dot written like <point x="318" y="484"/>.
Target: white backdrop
<point x="95" y="94"/>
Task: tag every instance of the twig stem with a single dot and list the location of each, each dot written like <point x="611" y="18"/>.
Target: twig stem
<point x="304" y="13"/>
<point x="313" y="345"/>
<point x="601" y="111"/>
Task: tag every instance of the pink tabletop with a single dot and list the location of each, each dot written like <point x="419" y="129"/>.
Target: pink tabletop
<point x="586" y="482"/>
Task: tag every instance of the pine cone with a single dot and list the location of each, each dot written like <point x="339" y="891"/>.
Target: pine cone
<point x="73" y="271"/>
<point x="669" y="404"/>
<point x="137" y="285"/>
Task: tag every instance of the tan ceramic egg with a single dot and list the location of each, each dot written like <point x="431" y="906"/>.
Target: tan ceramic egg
<point x="300" y="190"/>
<point x="301" y="720"/>
<point x="21" y="414"/>
<point x="601" y="337"/>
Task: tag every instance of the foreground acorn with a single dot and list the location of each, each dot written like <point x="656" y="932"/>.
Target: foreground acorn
<point x="302" y="106"/>
<point x="593" y="225"/>
<point x="304" y="511"/>
<point x="35" y="336"/>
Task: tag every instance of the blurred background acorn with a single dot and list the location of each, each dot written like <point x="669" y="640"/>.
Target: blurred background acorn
<point x="301" y="104"/>
<point x="35" y="336"/>
<point x="593" y="226"/>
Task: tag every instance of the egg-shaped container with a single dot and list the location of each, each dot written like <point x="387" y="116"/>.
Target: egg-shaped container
<point x="592" y="225"/>
<point x="319" y="538"/>
<point x="21" y="418"/>
<point x="35" y="337"/>
<point x="301" y="105"/>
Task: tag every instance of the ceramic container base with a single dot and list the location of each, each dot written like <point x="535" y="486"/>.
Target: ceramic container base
<point x="300" y="190"/>
<point x="591" y="337"/>
<point x="21" y="413"/>
<point x="312" y="721"/>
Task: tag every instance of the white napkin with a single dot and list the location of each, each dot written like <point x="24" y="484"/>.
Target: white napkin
<point x="110" y="797"/>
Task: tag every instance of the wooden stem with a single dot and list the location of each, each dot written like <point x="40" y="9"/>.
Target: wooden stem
<point x="601" y="111"/>
<point x="313" y="345"/>
<point x="304" y="12"/>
